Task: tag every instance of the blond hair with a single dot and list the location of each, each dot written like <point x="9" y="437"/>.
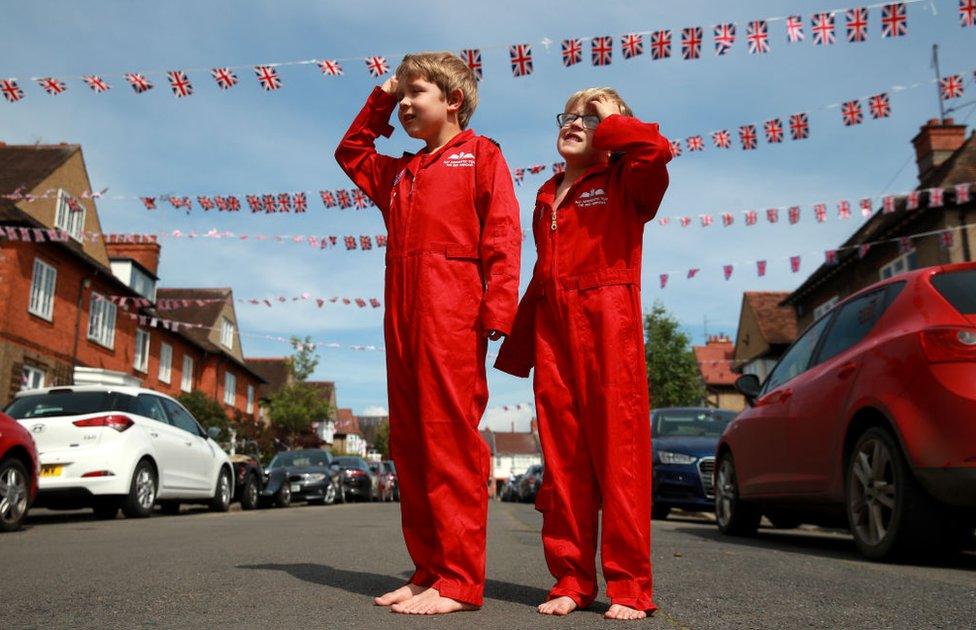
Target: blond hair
<point x="448" y="72"/>
<point x="589" y="94"/>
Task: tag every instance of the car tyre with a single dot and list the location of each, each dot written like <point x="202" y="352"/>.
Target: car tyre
<point x="250" y="493"/>
<point x="330" y="494"/>
<point x="733" y="516"/>
<point x="222" y="493"/>
<point x="142" y="491"/>
<point x="15" y="485"/>
<point x="282" y="498"/>
<point x="660" y="512"/>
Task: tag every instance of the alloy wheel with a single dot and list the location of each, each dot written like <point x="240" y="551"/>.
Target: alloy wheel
<point x="13" y="495"/>
<point x="872" y="491"/>
<point x="145" y="488"/>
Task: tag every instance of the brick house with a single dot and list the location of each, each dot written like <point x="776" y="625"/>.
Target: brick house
<point x="276" y="373"/>
<point x="512" y="453"/>
<point x="348" y="437"/>
<point x="766" y="330"/>
<point x="715" y="360"/>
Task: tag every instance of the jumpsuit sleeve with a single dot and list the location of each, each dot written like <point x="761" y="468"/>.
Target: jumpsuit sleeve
<point x="501" y="241"/>
<point x="357" y="155"/>
<point x="643" y="166"/>
<point x="516" y="356"/>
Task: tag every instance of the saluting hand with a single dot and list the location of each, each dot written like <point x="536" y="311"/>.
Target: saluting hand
<point x="604" y="106"/>
<point x="390" y="85"/>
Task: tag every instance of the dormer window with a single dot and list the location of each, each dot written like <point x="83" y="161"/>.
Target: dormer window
<point x="227" y="333"/>
<point x="70" y="215"/>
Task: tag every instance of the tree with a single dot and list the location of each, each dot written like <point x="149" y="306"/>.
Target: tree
<point x="295" y="406"/>
<point x="207" y="411"/>
<point x="382" y="440"/>
<point x="672" y="371"/>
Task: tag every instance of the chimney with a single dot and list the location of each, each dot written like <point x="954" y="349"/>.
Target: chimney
<point x="146" y="253"/>
<point x="935" y="142"/>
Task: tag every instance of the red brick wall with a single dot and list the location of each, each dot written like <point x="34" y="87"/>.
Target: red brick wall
<point x="146" y="254"/>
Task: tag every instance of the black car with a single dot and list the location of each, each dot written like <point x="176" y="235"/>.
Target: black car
<point x="310" y="476"/>
<point x="530" y="482"/>
<point x="510" y="491"/>
<point x="252" y="486"/>
<point x="356" y="480"/>
<point x="392" y="479"/>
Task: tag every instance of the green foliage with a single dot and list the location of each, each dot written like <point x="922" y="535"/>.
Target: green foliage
<point x="294" y="407"/>
<point x="382" y="440"/>
<point x="207" y="411"/>
<point x="672" y="371"/>
<point x="303" y="363"/>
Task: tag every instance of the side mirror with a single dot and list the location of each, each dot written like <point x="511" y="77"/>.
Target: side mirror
<point x="748" y="385"/>
<point x="213" y="433"/>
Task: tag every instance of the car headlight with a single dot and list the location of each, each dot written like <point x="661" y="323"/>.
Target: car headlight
<point x="667" y="457"/>
<point x="315" y="477"/>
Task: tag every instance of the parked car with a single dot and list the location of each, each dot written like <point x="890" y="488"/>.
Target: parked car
<point x="383" y="490"/>
<point x="867" y="418"/>
<point x="684" y="441"/>
<point x="308" y="476"/>
<point x="355" y="477"/>
<point x="19" y="470"/>
<point x="251" y="486"/>
<point x="530" y="482"/>
<point x="509" y="491"/>
<point x="374" y="476"/>
<point x="392" y="479"/>
<point x="121" y="447"/>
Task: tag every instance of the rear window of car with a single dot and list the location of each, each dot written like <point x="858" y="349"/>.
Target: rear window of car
<point x="352" y="462"/>
<point x="958" y="288"/>
<point x="67" y="403"/>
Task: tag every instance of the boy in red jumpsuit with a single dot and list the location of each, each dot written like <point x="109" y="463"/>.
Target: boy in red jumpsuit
<point x="580" y="325"/>
<point x="452" y="276"/>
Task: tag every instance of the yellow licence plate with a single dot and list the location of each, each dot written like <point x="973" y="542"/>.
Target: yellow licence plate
<point x="51" y="470"/>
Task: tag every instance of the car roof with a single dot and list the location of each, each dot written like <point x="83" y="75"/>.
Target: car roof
<point x="122" y="389"/>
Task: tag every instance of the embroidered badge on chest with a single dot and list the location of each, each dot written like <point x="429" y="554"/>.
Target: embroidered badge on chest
<point x="458" y="159"/>
<point x="592" y="197"/>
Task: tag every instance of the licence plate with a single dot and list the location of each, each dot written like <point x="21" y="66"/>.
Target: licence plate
<point x="51" y="470"/>
<point x="296" y="487"/>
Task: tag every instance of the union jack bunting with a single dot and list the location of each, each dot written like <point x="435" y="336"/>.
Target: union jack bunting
<point x="888" y="204"/>
<point x="724" y="38"/>
<point x="270" y="203"/>
<point x="365" y="242"/>
<point x="962" y="193"/>
<point x="205" y="202"/>
<point x="844" y="209"/>
<point x="518" y="175"/>
<point x="879" y="105"/>
<point x="180" y="83"/>
<point x="691" y="42"/>
<point x="521" y="58"/>
<point x="794" y="29"/>
<point x="772" y="215"/>
<point x="149" y="202"/>
<point x="685" y="221"/>
<point x="706" y="220"/>
<point x="664" y="280"/>
<point x="722" y="139"/>
<point x="967" y="13"/>
<point x="301" y="202"/>
<point x="96" y="83"/>
<point x="774" y="130"/>
<point x="284" y="202"/>
<point x="951" y="86"/>
<point x="794" y="212"/>
<point x="728" y="219"/>
<point x="345" y="201"/>
<point x="904" y="244"/>
<point x="820" y="211"/>
<point x="799" y="126"/>
<point x="945" y="239"/>
<point x="331" y="68"/>
<point x="830" y="256"/>
<point x="350" y="244"/>
<point x="761" y="268"/>
<point x="224" y="77"/>
<point x="851" y="113"/>
<point x="268" y="77"/>
<point x="751" y="217"/>
<point x="675" y="148"/>
<point x="695" y="143"/>
<point x="328" y="199"/>
<point x="664" y="220"/>
<point x="660" y="45"/>
<point x="52" y="85"/>
<point x="866" y="207"/>
<point x="912" y="200"/>
<point x="935" y="198"/>
<point x="377" y="66"/>
<point x="747" y="135"/>
<point x="857" y="24"/>
<point x="693" y="272"/>
<point x="601" y="49"/>
<point x="794" y="263"/>
<point x="253" y="202"/>
<point x="472" y="59"/>
<point x="558" y="167"/>
<point x="572" y="52"/>
<point x="381" y="240"/>
<point x="727" y="271"/>
<point x="757" y="34"/>
<point x="894" y="21"/>
<point x="822" y="26"/>
<point x="863" y="249"/>
<point x="138" y="82"/>
<point x="359" y="199"/>
<point x="632" y="45"/>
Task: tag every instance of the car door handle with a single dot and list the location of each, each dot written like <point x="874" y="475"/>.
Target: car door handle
<point x="154" y="434"/>
<point x="846" y="370"/>
<point x="189" y="443"/>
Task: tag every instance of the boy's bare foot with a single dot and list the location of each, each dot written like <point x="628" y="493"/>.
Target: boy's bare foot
<point x="558" y="606"/>
<point x="625" y="613"/>
<point x="402" y="594"/>
<point x="430" y="602"/>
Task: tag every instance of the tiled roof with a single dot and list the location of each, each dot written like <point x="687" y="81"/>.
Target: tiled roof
<point x="777" y="324"/>
<point x="508" y="443"/>
<point x="715" y="362"/>
<point x="274" y="370"/>
<point x="26" y="166"/>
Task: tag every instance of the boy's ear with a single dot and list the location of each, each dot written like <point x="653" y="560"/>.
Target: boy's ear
<point x="455" y="99"/>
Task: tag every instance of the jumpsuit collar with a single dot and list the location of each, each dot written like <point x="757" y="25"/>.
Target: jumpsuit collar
<point x="547" y="193"/>
<point x="422" y="158"/>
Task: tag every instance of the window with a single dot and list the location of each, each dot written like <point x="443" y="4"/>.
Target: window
<point x="165" y="362"/>
<point x="31" y="377"/>
<point x="181" y="418"/>
<point x="854" y="321"/>
<point x="150" y="406"/>
<point x="186" y="383"/>
<point x="142" y="284"/>
<point x="797" y="358"/>
<point x="824" y="308"/>
<point x="905" y="262"/>
<point x="42" y="290"/>
<point x="101" y="321"/>
<point x="227" y="333"/>
<point x="250" y="399"/>
<point x="230" y="388"/>
<point x="142" y="351"/>
<point x="71" y="221"/>
<point x="958" y="288"/>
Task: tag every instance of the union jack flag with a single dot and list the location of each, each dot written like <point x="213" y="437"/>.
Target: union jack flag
<point x="751" y="217"/>
<point x="685" y="221"/>
<point x="96" y="83"/>
<point x="894" y="21"/>
<point x="830" y="256"/>
<point x="951" y="86"/>
<point x="675" y="148"/>
<point x="664" y="280"/>
<point x="761" y="268"/>
<point x="268" y="77"/>
<point x="365" y="242"/>
<point x="233" y="204"/>
<point x="632" y="45"/>
<point x="774" y="130"/>
<point x="374" y="302"/>
<point x="558" y="167"/>
<point x="727" y="219"/>
<point x="844" y="209"/>
<point x="904" y="244"/>
<point x="601" y="49"/>
<point x="284" y="202"/>
<point x="693" y="272"/>
<point x="757" y="34"/>
<point x="772" y="215"/>
<point x="572" y="52"/>
<point x="180" y="83"/>
<point x="660" y="45"/>
<point x="518" y="175"/>
<point x="138" y="82"/>
<point x="344" y="200"/>
<point x="747" y="135"/>
<point x="794" y="215"/>
<point x="912" y="200"/>
<point x="253" y="202"/>
<point x="794" y="263"/>
<point x="377" y="66"/>
<point x="706" y="219"/>
<point x="945" y="239"/>
<point x="149" y="202"/>
<point x="879" y="105"/>
<point x="270" y="203"/>
<point x="722" y="139"/>
<point x="820" y="210"/>
<point x="224" y="77"/>
<point x="851" y="113"/>
<point x="962" y="193"/>
<point x="857" y="24"/>
<point x="691" y="42"/>
<point x="205" y="202"/>
<point x="794" y="29"/>
<point x="724" y="38"/>
<point x="350" y="244"/>
<point x="823" y="29"/>
<point x="967" y="13"/>
<point x="328" y="199"/>
<point x="301" y="202"/>
<point x="221" y="203"/>
<point x="695" y="143"/>
<point x="935" y="197"/>
<point x="381" y="240"/>
<point x="521" y="58"/>
<point x="472" y="59"/>
<point x="359" y="199"/>
<point x="727" y="271"/>
<point x="866" y="207"/>
<point x="330" y="67"/>
<point x="799" y="126"/>
<point x="888" y="204"/>
<point x="52" y="85"/>
<point x="863" y="249"/>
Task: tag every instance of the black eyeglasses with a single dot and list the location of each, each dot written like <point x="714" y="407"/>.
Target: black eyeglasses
<point x="589" y="122"/>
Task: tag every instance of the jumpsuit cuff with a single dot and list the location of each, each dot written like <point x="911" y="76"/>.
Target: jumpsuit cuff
<point x="422" y="579"/>
<point x="381" y="105"/>
<point x="465" y="593"/>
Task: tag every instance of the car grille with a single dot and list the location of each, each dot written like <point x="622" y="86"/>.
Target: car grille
<point x="706" y="470"/>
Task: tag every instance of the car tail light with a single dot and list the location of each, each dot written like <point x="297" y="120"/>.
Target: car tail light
<point x="949" y="344"/>
<point x="355" y="473"/>
<point x="117" y="422"/>
<point x="99" y="473"/>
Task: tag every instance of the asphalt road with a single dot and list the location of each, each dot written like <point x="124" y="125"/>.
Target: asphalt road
<point x="317" y="567"/>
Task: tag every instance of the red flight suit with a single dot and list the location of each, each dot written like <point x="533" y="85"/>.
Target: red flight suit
<point x="452" y="274"/>
<point x="580" y="324"/>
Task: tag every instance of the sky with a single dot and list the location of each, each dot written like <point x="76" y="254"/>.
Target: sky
<point x="245" y="140"/>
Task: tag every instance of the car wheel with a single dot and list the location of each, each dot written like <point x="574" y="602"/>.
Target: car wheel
<point x="283" y="496"/>
<point x="330" y="494"/>
<point x="249" y="493"/>
<point x="733" y="516"/>
<point x="660" y="512"/>
<point x="221" y="498"/>
<point x="14" y="495"/>
<point x="142" y="492"/>
<point x="169" y="508"/>
<point x="106" y="508"/>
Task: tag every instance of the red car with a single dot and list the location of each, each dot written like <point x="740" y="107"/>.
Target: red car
<point x="19" y="469"/>
<point x="869" y="420"/>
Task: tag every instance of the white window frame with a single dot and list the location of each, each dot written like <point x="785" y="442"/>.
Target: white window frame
<point x="71" y="222"/>
<point x="889" y="270"/>
<point x="43" y="287"/>
<point x="250" y="399"/>
<point x="165" y="363"/>
<point x="825" y="307"/>
<point x="101" y="321"/>
<point x="31" y="377"/>
<point x="186" y="379"/>
<point x="230" y="388"/>
<point x="227" y="333"/>
<point x="141" y="355"/>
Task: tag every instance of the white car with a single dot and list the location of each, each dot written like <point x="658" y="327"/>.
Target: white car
<point x="121" y="447"/>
